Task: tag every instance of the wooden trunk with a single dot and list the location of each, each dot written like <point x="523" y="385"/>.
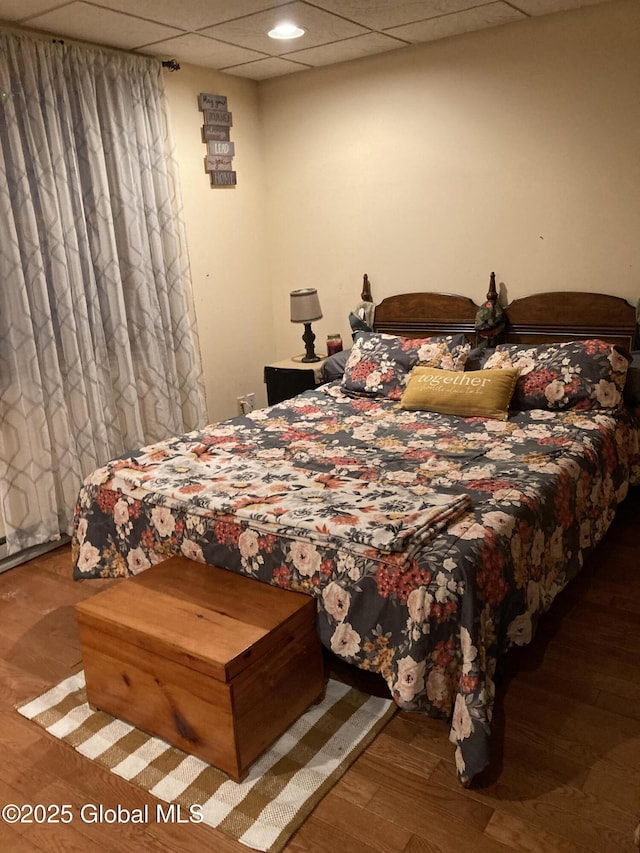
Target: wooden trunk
<point x="215" y="663"/>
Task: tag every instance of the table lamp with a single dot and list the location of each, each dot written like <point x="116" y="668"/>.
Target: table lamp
<point x="305" y="308"/>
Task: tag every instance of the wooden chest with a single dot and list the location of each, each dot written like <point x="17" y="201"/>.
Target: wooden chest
<point x="216" y="664"/>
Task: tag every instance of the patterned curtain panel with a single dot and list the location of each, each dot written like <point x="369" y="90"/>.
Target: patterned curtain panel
<point x="98" y="348"/>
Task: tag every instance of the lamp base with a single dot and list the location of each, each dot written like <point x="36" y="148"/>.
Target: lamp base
<point x="309" y="338"/>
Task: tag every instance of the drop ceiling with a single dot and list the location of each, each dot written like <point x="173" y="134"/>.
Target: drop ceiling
<point x="231" y="35"/>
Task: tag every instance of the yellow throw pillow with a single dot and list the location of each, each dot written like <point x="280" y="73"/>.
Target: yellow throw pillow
<point x="471" y="393"/>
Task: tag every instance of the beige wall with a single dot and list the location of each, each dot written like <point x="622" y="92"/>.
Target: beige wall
<point x="515" y="149"/>
<point x="226" y="238"/>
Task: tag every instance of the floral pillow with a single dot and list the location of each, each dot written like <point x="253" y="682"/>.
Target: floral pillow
<point x="379" y="365"/>
<point x="578" y="374"/>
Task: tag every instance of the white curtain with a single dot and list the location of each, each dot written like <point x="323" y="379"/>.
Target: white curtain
<point x="98" y="347"/>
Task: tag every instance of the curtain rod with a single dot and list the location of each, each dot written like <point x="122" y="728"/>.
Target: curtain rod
<point x="11" y="29"/>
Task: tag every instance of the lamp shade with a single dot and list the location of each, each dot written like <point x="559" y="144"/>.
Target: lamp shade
<point x="305" y="305"/>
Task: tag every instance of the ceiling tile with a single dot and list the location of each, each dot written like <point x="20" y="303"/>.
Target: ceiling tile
<point x="265" y="68"/>
<point x="544" y="7"/>
<point x="199" y="50"/>
<point x="89" y="23"/>
<point x="19" y="10"/>
<point x="382" y="14"/>
<point x="341" y="51"/>
<point x="491" y="15"/>
<point x="337" y="30"/>
<point x="321" y="27"/>
<point x="187" y="14"/>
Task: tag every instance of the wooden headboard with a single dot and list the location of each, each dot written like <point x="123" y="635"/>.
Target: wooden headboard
<point x="570" y="316"/>
<point x="549" y="317"/>
<point x="418" y="315"/>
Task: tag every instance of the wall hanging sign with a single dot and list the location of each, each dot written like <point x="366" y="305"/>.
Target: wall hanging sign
<point x="217" y="118"/>
<point x="221" y="149"/>
<point x="212" y="131"/>
<point x="211" y="102"/>
<point x="223" y="179"/>
<point x="219" y="164"/>
<point x="217" y="121"/>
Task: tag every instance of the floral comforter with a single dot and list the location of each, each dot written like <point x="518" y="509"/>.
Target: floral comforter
<point x="431" y="543"/>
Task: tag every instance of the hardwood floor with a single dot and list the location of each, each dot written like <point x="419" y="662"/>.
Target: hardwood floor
<point x="567" y="770"/>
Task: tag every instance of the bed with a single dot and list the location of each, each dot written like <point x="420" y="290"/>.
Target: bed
<point x="432" y="542"/>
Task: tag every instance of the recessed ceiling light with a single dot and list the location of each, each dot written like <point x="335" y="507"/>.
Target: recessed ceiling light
<point x="286" y="31"/>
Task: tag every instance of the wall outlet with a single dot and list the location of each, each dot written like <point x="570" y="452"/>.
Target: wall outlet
<point x="246" y="403"/>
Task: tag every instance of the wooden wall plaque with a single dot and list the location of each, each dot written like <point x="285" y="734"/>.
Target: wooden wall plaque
<point x="217" y="120"/>
<point x="208" y="101"/>
<point x="221" y="149"/>
<point x="223" y="179"/>
<point x="215" y="132"/>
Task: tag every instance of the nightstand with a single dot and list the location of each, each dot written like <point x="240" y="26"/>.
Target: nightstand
<point x="285" y="379"/>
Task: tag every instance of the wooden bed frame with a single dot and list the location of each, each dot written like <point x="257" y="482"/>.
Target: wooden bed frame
<point x="418" y="315"/>
<point x="567" y="315"/>
<point x="554" y="316"/>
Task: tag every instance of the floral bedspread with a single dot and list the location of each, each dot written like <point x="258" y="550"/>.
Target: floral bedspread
<point x="494" y="519"/>
<point x="282" y="497"/>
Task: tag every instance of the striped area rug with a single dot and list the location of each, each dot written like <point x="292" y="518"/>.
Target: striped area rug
<point x="261" y="812"/>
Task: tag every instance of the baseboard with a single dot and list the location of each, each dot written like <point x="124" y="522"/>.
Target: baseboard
<point x="14" y="560"/>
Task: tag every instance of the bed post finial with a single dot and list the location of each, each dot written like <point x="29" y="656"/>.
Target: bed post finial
<point x="366" y="289"/>
<point x="492" y="295"/>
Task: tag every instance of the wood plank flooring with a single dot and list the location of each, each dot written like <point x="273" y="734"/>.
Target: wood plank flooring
<point x="566" y="775"/>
